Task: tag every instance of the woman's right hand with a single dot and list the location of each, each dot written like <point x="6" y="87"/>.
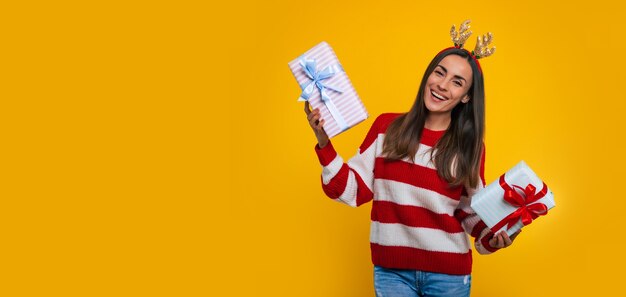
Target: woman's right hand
<point x="313" y="116"/>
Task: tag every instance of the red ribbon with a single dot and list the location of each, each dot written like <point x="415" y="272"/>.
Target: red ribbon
<point x="527" y="209"/>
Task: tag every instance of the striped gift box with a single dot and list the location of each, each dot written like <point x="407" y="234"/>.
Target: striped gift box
<point x="347" y="104"/>
<point x="490" y="205"/>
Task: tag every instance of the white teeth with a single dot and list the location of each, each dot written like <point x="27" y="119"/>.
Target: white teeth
<point x="437" y="95"/>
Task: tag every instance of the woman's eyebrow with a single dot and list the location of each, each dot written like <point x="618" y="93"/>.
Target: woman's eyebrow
<point x="457" y="76"/>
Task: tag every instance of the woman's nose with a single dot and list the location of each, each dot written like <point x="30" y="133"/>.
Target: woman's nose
<point x="441" y="85"/>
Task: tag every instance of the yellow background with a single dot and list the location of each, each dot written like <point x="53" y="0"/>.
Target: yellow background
<point x="156" y="148"/>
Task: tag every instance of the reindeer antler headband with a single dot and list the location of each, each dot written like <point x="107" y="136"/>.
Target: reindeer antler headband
<point x="480" y="51"/>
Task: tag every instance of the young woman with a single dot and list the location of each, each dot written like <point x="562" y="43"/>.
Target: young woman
<point x="421" y="169"/>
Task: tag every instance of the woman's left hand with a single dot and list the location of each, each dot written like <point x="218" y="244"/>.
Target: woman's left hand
<point x="502" y="240"/>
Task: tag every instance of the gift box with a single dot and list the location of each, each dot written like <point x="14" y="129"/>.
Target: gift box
<point x="514" y="200"/>
<point x="325" y="85"/>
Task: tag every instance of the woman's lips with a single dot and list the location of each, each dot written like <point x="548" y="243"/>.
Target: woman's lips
<point x="437" y="96"/>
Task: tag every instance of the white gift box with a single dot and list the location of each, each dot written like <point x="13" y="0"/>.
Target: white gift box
<point x="318" y="70"/>
<point x="500" y="214"/>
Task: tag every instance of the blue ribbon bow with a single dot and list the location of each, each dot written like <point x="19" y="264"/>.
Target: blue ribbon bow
<point x="310" y="68"/>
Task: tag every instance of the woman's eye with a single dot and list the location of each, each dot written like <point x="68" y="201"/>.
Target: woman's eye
<point x="439" y="73"/>
<point x="458" y="83"/>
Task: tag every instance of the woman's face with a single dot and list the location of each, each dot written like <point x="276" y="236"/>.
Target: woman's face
<point x="448" y="84"/>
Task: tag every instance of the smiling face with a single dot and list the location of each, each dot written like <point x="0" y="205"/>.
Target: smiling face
<point x="448" y="85"/>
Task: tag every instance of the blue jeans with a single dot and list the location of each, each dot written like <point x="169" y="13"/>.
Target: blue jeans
<point x="405" y="283"/>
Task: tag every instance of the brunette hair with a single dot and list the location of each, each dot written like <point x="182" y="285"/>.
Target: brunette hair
<point x="459" y="150"/>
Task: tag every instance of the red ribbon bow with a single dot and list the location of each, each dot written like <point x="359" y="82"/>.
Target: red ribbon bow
<point x="527" y="210"/>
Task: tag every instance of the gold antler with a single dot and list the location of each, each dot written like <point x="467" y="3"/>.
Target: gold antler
<point x="460" y="37"/>
<point x="481" y="49"/>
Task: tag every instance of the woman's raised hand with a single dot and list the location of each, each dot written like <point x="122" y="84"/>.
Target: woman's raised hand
<point x="313" y="116"/>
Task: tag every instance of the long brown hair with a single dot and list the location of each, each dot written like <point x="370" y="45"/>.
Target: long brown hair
<point x="459" y="150"/>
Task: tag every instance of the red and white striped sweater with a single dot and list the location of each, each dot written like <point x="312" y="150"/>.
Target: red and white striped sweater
<point x="418" y="221"/>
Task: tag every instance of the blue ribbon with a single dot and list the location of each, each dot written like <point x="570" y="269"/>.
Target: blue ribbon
<point x="310" y="68"/>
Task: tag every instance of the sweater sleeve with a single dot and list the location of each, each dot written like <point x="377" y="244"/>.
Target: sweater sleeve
<point x="472" y="224"/>
<point x="352" y="182"/>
